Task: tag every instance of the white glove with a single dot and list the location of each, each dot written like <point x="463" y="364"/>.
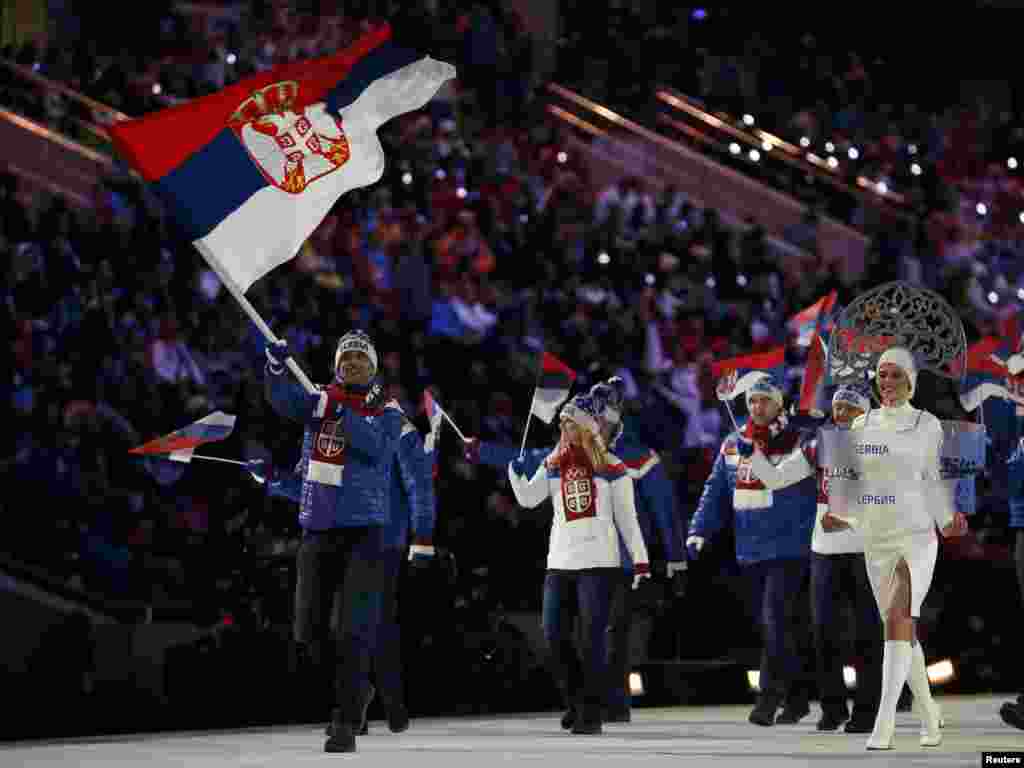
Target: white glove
<point x="971" y="400"/>
<point x="638" y="577"/>
<point x="1015" y="363"/>
<point x="694" y="544"/>
<point x="672" y="569"/>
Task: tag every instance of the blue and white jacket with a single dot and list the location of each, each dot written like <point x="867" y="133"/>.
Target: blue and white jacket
<point x="348" y="452"/>
<point x="654" y="495"/>
<point x="592" y="511"/>
<point x="412" y="493"/>
<point x="1015" y="485"/>
<point x="769" y="524"/>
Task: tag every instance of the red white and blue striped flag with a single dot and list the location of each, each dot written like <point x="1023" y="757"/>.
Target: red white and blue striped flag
<point x="554" y="382"/>
<point x="180" y="444"/>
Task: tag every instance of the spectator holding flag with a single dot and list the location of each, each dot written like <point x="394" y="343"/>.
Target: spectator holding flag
<point x="594" y="506"/>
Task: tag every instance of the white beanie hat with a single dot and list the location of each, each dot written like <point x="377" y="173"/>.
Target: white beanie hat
<point x="901" y="357"/>
<point x="852" y="396"/>
<point x="766" y="385"/>
<point x="356" y="341"/>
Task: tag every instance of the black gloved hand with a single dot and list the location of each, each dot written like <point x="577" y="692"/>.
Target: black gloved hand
<point x="376" y="397"/>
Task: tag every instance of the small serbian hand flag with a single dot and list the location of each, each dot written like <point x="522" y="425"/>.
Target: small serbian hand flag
<point x="554" y="382"/>
<point x="812" y="387"/>
<point x="737" y="374"/>
<point x="180" y="444"/>
<point x="250" y="171"/>
<point x="806" y="323"/>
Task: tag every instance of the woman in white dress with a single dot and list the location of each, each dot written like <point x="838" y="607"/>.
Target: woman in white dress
<point x="900" y="545"/>
<point x="592" y="493"/>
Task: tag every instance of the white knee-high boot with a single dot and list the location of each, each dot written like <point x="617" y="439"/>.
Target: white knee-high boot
<point x="895" y="666"/>
<point x="924" y="704"/>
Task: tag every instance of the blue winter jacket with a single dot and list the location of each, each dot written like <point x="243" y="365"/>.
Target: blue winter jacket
<point x="412" y="492"/>
<point x="654" y="495"/>
<point x="768" y="524"/>
<point x="1015" y="485"/>
<point x="348" y="451"/>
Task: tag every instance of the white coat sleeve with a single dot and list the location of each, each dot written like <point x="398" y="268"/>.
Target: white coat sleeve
<point x="624" y="513"/>
<point x="530" y="493"/>
<point x="940" y="505"/>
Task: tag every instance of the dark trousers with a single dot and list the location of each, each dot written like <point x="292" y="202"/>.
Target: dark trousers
<point x="836" y="579"/>
<point x="585" y="595"/>
<point x="387" y="659"/>
<point x="620" y="624"/>
<point x="776" y="587"/>
<point x="342" y="567"/>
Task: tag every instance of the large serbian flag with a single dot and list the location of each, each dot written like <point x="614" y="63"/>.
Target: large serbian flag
<point x="179" y="445"/>
<point x="554" y="382"/>
<point x="250" y="171"/>
<point x="736" y="375"/>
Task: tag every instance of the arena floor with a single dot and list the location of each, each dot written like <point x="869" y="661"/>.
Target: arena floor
<point x="671" y="736"/>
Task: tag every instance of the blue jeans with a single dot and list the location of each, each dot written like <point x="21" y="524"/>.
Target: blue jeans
<point x="776" y="590"/>
<point x="620" y="623"/>
<point x="587" y="595"/>
<point x="835" y="579"/>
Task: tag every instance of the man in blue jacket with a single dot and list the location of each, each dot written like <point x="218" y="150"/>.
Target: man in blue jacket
<point x="348" y="451"/>
<point x="412" y="506"/>
<point x="773" y="540"/>
<point x="1012" y="712"/>
<point x="656" y="513"/>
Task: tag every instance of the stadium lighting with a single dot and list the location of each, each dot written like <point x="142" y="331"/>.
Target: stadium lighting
<point x="941" y="672"/>
<point x="407" y="178"/>
<point x="805" y="142"/>
<point x="912" y="149"/>
<point x="850" y="677"/>
<point x="1011" y="163"/>
<point x="853" y="153"/>
<point x="882" y="187"/>
<point x="754" y="155"/>
<point x="748" y="119"/>
<point x="741" y="281"/>
<point x="832" y="163"/>
<point x="1020" y="294"/>
<point x="561" y="157"/>
<point x="157" y="89"/>
<point x="649" y="279"/>
<point x="830" y="147"/>
<point x="915" y="169"/>
<point x="710" y="282"/>
<point x="766" y="145"/>
<point x="603" y="258"/>
<point x="461" y="193"/>
<point x="439" y="174"/>
<point x="699" y="14"/>
<point x="981" y="209"/>
<point x="993" y="297"/>
<point x="636" y="684"/>
<point x="734" y="148"/>
<point x="231" y="58"/>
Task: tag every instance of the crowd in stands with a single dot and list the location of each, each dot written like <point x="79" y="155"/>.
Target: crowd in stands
<point x="484" y="243"/>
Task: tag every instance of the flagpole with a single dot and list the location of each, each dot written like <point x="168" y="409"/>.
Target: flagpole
<point x="449" y="420"/>
<point x="731" y="416"/>
<point x="526" y="431"/>
<point x="218" y="458"/>
<point x="250" y="310"/>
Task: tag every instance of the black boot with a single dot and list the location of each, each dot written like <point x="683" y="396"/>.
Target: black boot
<point x="364" y="727"/>
<point x="342" y="737"/>
<point x="398" y="718"/>
<point x="588" y="721"/>
<point x="1012" y="713"/>
<point x="793" y="712"/>
<point x="763" y="712"/>
<point x="569" y="718"/>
